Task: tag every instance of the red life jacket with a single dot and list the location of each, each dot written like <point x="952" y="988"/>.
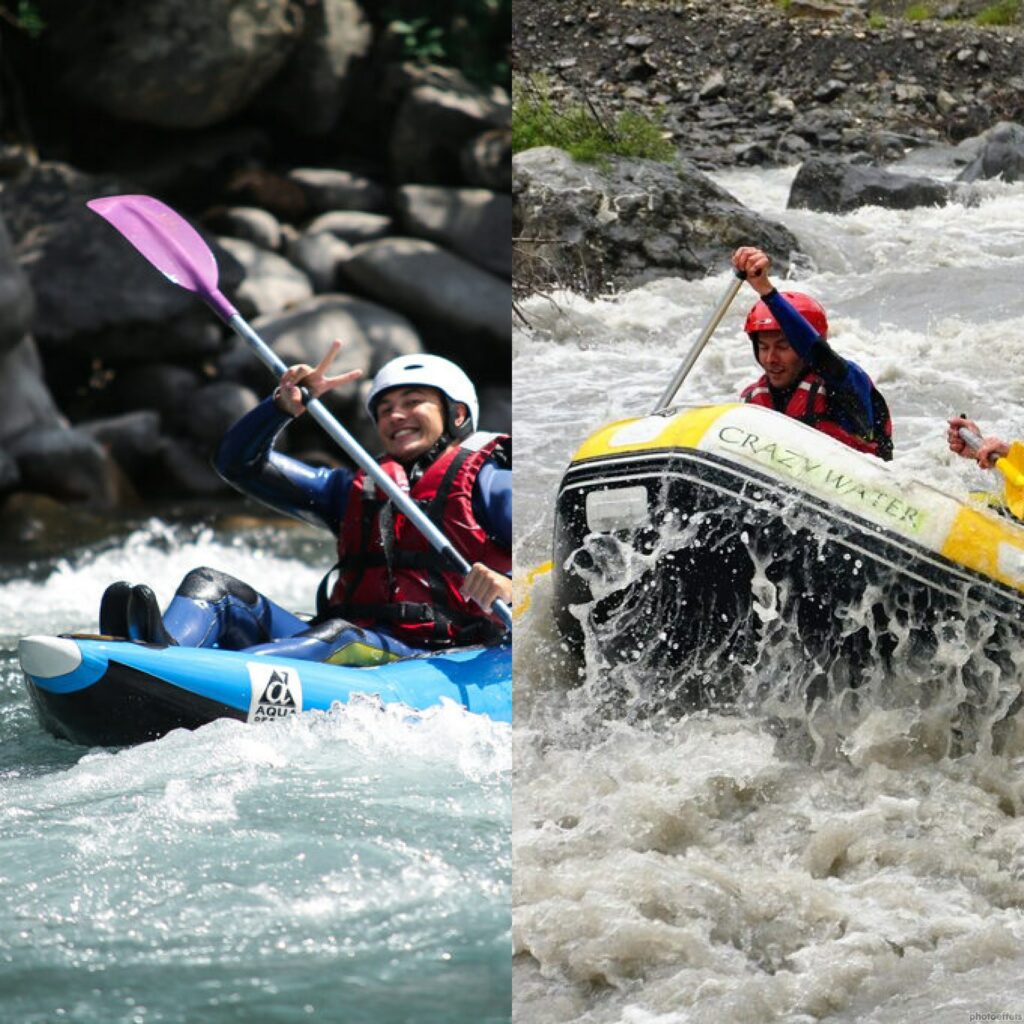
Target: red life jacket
<point x="810" y="404"/>
<point x="389" y="574"/>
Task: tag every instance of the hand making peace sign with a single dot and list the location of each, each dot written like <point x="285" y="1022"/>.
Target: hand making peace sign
<point x="288" y="396"/>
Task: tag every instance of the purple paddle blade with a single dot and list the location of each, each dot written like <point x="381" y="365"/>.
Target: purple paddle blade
<point x="169" y="242"/>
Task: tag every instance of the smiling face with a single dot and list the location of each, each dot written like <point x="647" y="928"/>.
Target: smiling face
<point x="410" y="420"/>
<point x="780" y="361"/>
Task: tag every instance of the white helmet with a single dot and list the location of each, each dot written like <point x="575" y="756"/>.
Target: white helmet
<point x="432" y="372"/>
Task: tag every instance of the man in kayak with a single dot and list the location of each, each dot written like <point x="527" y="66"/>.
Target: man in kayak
<point x="394" y="595"/>
<point x="803" y="377"/>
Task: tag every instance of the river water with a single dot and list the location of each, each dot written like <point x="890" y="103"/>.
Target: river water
<point x="697" y="870"/>
<point x="347" y="867"/>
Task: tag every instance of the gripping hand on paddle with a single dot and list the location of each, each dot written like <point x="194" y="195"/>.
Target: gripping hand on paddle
<point x="754" y="264"/>
<point x="485" y="586"/>
<point x="987" y="450"/>
<point x="314" y="380"/>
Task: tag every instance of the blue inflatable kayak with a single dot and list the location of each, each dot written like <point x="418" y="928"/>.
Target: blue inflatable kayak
<point x="102" y="692"/>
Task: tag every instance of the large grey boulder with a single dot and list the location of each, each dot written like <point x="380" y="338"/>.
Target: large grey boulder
<point x="164" y="388"/>
<point x="486" y="160"/>
<point x="215" y="408"/>
<point x="270" y="282"/>
<point x="249" y="223"/>
<point x="350" y="225"/>
<point x="592" y="229"/>
<point x="171" y="63"/>
<point x="319" y="255"/>
<point x="16" y="302"/>
<point x="93" y="290"/>
<point x="328" y="188"/>
<point x="474" y="222"/>
<point x="315" y="84"/>
<point x="66" y="463"/>
<point x="372" y="334"/>
<point x="1001" y="155"/>
<point x="9" y="475"/>
<point x="834" y="186"/>
<point x="28" y="404"/>
<point x="182" y="467"/>
<point x="132" y="439"/>
<point x="440" y="112"/>
<point x="435" y="288"/>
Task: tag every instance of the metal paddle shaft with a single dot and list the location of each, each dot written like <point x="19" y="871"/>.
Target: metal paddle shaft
<point x="973" y="441"/>
<point x="178" y="251"/>
<point x="702" y="339"/>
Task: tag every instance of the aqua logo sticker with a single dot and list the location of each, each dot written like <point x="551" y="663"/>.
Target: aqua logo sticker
<point x="275" y="692"/>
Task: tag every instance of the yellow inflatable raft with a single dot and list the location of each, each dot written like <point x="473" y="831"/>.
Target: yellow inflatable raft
<point x="718" y="548"/>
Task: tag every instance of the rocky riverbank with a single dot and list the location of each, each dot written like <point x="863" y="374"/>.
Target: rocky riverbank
<point x="345" y="190"/>
<point x="841" y="88"/>
<point x="748" y="83"/>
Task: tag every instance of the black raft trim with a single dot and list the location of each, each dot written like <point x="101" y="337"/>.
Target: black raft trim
<point x="125" y="706"/>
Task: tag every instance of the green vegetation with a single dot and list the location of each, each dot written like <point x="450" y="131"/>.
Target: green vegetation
<point x="579" y="129"/>
<point x="419" y="38"/>
<point x="25" y="16"/>
<point x="472" y="35"/>
<point x="1003" y="12"/>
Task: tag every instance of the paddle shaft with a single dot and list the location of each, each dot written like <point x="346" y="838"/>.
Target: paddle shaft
<point x="702" y="339"/>
<point x="437" y="540"/>
<point x="973" y="441"/>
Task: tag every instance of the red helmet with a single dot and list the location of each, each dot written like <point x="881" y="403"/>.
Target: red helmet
<point x="760" y="318"/>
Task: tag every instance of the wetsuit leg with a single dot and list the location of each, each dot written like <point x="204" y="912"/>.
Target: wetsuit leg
<point x="212" y="608"/>
<point x="339" y="643"/>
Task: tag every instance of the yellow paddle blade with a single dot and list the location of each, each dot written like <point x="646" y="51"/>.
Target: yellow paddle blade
<point x="1015" y="457"/>
<point x="522" y="587"/>
<point x="1012" y="468"/>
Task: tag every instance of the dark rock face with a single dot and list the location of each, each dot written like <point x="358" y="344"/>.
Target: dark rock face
<point x="173" y="63"/>
<point x="28" y="403"/>
<point x="834" y="186"/>
<point x="475" y="223"/>
<point x="67" y="464"/>
<point x="287" y="133"/>
<point x="17" y="303"/>
<point x="592" y="229"/>
<point x="440" y="114"/>
<point x="315" y="85"/>
<point x="87" y="281"/>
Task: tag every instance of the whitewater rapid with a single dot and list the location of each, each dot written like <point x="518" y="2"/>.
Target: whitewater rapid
<point x="353" y="866"/>
<point x="697" y="870"/>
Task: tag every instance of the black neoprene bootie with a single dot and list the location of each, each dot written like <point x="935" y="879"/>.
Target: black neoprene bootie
<point x="114" y="609"/>
<point x="145" y="622"/>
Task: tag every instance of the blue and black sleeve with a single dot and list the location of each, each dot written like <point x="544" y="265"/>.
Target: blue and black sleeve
<point x="849" y="387"/>
<point x="246" y="459"/>
<point x="492" y="503"/>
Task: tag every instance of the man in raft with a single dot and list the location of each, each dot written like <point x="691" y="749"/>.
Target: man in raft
<point x="803" y="377"/>
<point x="393" y="595"/>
